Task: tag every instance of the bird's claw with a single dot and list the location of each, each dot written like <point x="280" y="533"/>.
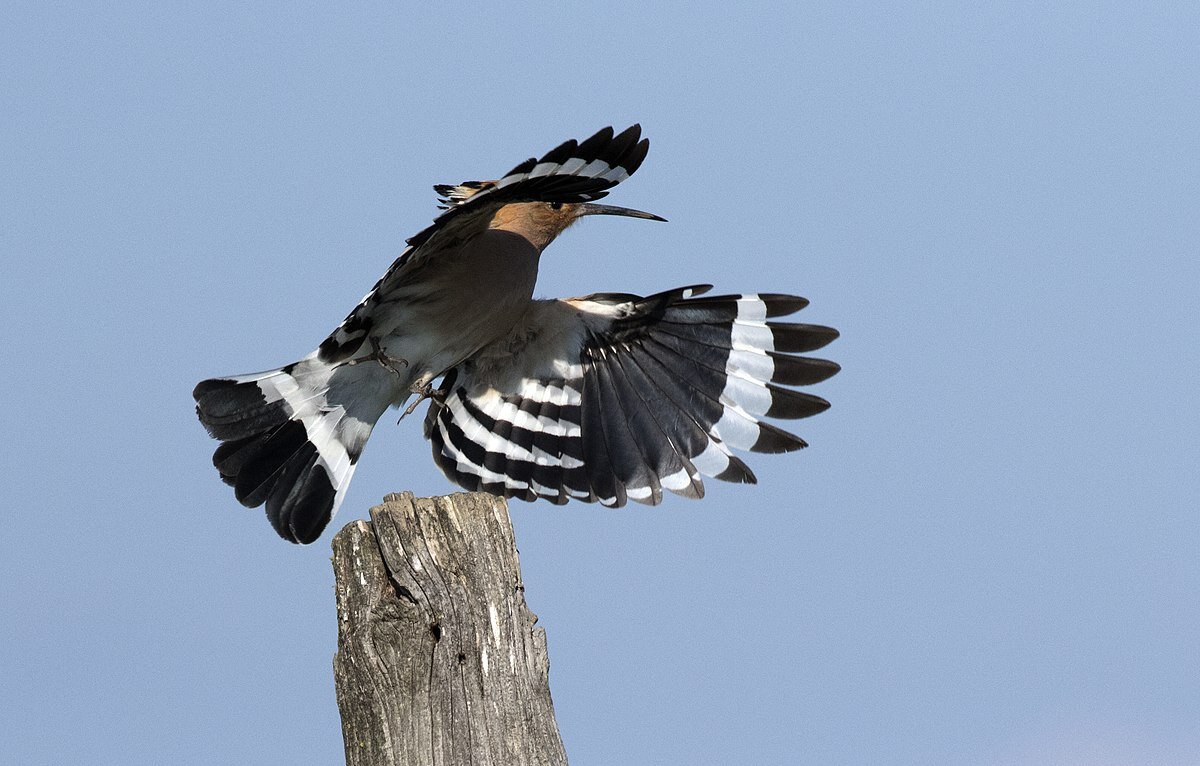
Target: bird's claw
<point x="423" y="391"/>
<point x="379" y="355"/>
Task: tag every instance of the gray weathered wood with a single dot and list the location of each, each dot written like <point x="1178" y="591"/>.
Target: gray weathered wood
<point x="438" y="659"/>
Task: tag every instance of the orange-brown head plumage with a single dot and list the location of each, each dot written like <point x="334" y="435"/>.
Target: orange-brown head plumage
<point x="541" y="222"/>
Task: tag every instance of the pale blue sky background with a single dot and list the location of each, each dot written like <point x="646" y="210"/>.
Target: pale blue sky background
<point x="989" y="556"/>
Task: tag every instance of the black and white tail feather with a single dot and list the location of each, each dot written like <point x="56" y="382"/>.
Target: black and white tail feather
<point x="615" y="397"/>
<point x="291" y="437"/>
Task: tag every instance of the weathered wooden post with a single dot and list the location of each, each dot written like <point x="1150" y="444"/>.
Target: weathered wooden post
<point x="438" y="659"/>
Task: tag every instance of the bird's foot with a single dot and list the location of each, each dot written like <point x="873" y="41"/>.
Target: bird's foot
<point x="379" y="355"/>
<point x="423" y="391"/>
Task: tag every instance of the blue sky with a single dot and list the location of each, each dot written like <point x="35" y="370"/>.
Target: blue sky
<point x="989" y="554"/>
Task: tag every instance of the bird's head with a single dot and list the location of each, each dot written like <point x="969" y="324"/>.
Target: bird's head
<point x="541" y="222"/>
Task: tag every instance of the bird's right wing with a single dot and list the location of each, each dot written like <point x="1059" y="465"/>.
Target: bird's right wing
<point x="571" y="172"/>
<point x="615" y="397"/>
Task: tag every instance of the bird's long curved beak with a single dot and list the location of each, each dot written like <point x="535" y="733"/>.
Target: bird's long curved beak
<point x="591" y="208"/>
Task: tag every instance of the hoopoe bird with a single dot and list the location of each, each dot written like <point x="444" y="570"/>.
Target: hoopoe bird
<point x="605" y="398"/>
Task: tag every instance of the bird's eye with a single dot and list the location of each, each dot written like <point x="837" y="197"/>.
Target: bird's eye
<point x="556" y="205"/>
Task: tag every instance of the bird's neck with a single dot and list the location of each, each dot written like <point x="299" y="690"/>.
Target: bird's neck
<point x="529" y="222"/>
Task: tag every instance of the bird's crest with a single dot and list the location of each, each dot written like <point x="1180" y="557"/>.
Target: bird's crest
<point x="450" y="195"/>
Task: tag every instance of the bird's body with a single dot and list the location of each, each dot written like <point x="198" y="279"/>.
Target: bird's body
<point x="605" y="398"/>
<point x="497" y="263"/>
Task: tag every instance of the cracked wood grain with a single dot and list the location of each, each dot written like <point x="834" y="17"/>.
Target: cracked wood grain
<point x="439" y="661"/>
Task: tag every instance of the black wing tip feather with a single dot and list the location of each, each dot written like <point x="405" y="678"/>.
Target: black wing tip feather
<point x="779" y="305"/>
<point x="801" y="370"/>
<point x="797" y="338"/>
<point x="787" y="404"/>
<point x="772" y="439"/>
<point x="737" y="472"/>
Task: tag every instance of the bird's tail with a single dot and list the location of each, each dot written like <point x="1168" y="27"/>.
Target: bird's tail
<point x="290" y="437"/>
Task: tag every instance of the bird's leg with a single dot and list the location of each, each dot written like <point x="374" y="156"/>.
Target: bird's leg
<point x="379" y="355"/>
<point x="423" y="391"/>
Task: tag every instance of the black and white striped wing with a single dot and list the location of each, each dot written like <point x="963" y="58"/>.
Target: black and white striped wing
<point x="571" y="172"/>
<point x="615" y="397"/>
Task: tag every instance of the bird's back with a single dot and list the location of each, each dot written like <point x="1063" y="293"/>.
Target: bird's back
<point x="465" y="300"/>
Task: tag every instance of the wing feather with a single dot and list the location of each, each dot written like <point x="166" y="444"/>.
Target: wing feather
<point x="616" y="397"/>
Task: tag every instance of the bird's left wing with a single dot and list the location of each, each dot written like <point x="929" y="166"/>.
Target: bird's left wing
<point x="615" y="397"/>
<point x="571" y="172"/>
